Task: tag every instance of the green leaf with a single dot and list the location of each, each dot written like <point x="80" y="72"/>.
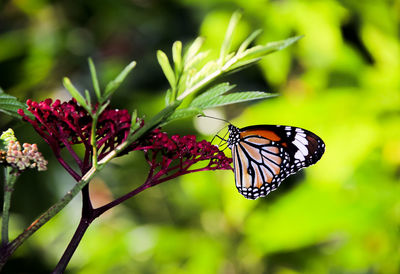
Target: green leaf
<point x="248" y="41"/>
<point x="227" y="43"/>
<point x="194" y="76"/>
<point x="177" y="56"/>
<point x="88" y="99"/>
<point x="75" y="93"/>
<point x="95" y="80"/>
<point x="168" y="97"/>
<point x="192" y="51"/>
<point x="184" y="113"/>
<point x="258" y="51"/>
<point x="158" y="120"/>
<point x="162" y="117"/>
<point x="135" y="124"/>
<point x="166" y="67"/>
<point x="114" y="84"/>
<point x="103" y="107"/>
<point x="243" y="64"/>
<point x="235" y="98"/>
<point x="213" y="92"/>
<point x="201" y="56"/>
<point x="10" y="105"/>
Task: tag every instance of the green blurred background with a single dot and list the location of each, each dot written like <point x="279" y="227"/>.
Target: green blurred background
<point x="340" y="81"/>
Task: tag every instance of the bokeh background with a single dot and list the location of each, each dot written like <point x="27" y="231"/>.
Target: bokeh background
<point x="341" y="81"/>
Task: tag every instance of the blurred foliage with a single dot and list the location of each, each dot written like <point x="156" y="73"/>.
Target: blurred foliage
<point x="341" y="81"/>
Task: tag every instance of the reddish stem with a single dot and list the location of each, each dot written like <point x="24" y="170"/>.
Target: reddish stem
<point x="73" y="244"/>
<point x="101" y="210"/>
<point x="74" y="175"/>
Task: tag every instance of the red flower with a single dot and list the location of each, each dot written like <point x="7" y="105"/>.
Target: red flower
<point x="63" y="125"/>
<point x="172" y="157"/>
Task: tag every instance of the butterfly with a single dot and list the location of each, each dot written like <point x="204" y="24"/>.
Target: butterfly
<point x="264" y="155"/>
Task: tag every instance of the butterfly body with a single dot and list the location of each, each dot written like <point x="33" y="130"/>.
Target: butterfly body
<point x="264" y="155"/>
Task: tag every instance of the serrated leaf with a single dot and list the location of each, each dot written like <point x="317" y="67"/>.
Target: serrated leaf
<point x="184" y="113"/>
<point x="114" y="84"/>
<point x="235" y="98"/>
<point x="166" y="67"/>
<point x="211" y="93"/>
<point x="10" y="105"/>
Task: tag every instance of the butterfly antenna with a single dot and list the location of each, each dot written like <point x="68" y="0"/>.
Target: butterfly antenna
<point x="216" y="135"/>
<point x="215" y="118"/>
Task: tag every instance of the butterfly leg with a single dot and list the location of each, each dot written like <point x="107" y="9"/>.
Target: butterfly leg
<point x="221" y="143"/>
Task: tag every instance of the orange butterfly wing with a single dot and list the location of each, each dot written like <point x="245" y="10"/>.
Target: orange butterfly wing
<point x="263" y="156"/>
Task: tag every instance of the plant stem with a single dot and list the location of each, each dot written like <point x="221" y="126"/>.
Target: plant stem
<point x="100" y="210"/>
<point x="88" y="216"/>
<point x="73" y="244"/>
<point x="88" y="213"/>
<point x="9" y="181"/>
<point x="9" y="249"/>
<point x="5" y="215"/>
<point x="67" y="167"/>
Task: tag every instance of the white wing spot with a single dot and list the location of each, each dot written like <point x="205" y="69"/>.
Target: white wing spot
<point x="301" y="139"/>
<point x="301" y="147"/>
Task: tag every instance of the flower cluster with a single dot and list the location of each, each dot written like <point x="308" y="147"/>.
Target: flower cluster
<point x="112" y="129"/>
<point x="63" y="125"/>
<point x="174" y="156"/>
<point x="29" y="157"/>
